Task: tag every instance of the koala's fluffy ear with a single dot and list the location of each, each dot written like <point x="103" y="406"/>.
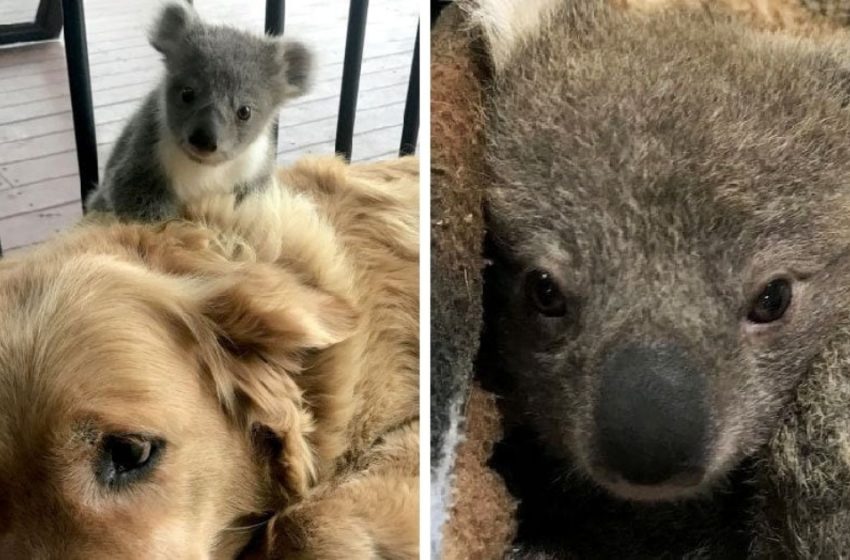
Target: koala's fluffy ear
<point x="293" y="64"/>
<point x="175" y="20"/>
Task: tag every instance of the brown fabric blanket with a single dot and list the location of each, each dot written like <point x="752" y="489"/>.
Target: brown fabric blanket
<point x="464" y="488"/>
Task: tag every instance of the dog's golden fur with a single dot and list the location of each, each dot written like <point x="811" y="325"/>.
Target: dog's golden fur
<point x="272" y="344"/>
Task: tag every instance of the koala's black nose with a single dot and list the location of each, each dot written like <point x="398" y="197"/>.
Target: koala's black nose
<point x="651" y="416"/>
<point x="203" y="139"/>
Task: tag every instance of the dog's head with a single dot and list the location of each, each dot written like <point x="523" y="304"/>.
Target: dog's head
<point x="223" y="86"/>
<point x="670" y="211"/>
<point x="149" y="404"/>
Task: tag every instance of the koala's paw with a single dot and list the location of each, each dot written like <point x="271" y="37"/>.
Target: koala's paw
<point x="803" y="504"/>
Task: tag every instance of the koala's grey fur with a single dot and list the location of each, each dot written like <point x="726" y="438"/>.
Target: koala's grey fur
<point x="663" y="168"/>
<point x="226" y="68"/>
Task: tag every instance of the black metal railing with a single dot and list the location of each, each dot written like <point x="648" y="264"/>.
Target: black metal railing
<point x="275" y="14"/>
<point x="354" y="38"/>
<point x="410" y="128"/>
<point x="46" y="25"/>
<point x="79" y="81"/>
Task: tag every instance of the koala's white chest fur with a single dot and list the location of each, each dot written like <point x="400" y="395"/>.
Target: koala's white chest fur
<point x="190" y="179"/>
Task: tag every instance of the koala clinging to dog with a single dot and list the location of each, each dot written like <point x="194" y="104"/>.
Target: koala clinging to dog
<point x="208" y="126"/>
<point x="669" y="222"/>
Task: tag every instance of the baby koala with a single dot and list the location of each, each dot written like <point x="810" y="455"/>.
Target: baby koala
<point x="208" y="126"/>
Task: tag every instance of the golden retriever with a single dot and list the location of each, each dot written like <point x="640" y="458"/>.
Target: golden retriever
<point x="243" y="383"/>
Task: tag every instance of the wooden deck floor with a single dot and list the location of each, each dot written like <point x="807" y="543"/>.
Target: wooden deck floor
<point x="39" y="187"/>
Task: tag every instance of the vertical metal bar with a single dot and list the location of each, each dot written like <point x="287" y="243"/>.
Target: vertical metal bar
<point x="77" y="58"/>
<point x="351" y="76"/>
<point x="410" y="130"/>
<point x="275" y="15"/>
<point x="48" y="18"/>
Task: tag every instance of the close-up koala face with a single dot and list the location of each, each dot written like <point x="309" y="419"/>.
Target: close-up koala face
<point x="223" y="86"/>
<point x="666" y="220"/>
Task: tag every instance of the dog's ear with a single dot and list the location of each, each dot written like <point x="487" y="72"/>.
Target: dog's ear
<point x="263" y="310"/>
<point x="265" y="323"/>
<point x="253" y="325"/>
<point x="175" y="20"/>
<point x="293" y="67"/>
<point x="259" y="308"/>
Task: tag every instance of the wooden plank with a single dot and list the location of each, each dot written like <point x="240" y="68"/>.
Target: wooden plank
<point x="40" y="169"/>
<point x="327" y="147"/>
<point x="384" y="156"/>
<point x="135" y="85"/>
<point x="373" y="113"/>
<point x="46" y="77"/>
<point x="25" y="227"/>
<point x="22" y="11"/>
<point x="323" y="101"/>
<point x="141" y="54"/>
<point x="107" y="133"/>
<point x="18" y="250"/>
<point x="13" y="55"/>
<point x="141" y="80"/>
<point x="36" y="226"/>
<point x="55" y="143"/>
<point x="130" y="40"/>
<point x="321" y="130"/>
<point x="327" y="84"/>
<point x="114" y="20"/>
<point x="4" y="183"/>
<point x="377" y="142"/>
<point x="292" y="138"/>
<point x="23" y="230"/>
<point x="24" y="200"/>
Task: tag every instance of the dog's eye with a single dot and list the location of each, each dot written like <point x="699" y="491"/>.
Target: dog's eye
<point x="123" y="459"/>
<point x="545" y="295"/>
<point x="187" y="94"/>
<point x="770" y="305"/>
<point x="243" y="112"/>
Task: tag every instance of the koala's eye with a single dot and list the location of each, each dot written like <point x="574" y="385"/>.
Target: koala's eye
<point x="545" y="295"/>
<point x="124" y="459"/>
<point x="770" y="305"/>
<point x="244" y="113"/>
<point x="187" y="94"/>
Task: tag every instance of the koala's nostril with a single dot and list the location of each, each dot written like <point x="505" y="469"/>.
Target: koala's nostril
<point x="203" y="140"/>
<point x="651" y="416"/>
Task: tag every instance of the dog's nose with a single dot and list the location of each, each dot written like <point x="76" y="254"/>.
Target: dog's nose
<point x="203" y="139"/>
<point x="651" y="417"/>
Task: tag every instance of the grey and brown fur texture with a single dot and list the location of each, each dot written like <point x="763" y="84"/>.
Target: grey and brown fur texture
<point x="662" y="167"/>
<point x="208" y="125"/>
<point x="457" y="221"/>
